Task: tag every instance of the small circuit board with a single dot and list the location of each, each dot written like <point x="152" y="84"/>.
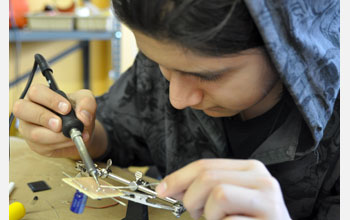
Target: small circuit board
<point x="89" y="187"/>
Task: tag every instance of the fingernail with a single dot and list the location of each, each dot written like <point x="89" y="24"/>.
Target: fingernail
<point x="63" y="107"/>
<point x="86" y="115"/>
<point x="53" y="123"/>
<point x="161" y="188"/>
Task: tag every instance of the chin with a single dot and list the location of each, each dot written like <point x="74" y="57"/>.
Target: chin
<point x="219" y="114"/>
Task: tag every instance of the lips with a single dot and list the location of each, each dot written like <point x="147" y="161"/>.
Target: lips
<point x="214" y="109"/>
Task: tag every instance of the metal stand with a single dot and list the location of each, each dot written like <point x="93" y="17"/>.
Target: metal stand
<point x="136" y="211"/>
<point x="139" y="193"/>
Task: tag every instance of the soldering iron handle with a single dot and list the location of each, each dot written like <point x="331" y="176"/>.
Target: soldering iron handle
<point x="69" y="120"/>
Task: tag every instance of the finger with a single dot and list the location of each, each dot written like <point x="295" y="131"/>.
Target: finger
<point x="198" y="192"/>
<point x="85" y="107"/>
<point x="239" y="217"/>
<point x="36" y="114"/>
<point x="225" y="200"/>
<point x="62" y="143"/>
<point x="40" y="135"/>
<point x="179" y="196"/>
<point x="47" y="150"/>
<point x="180" y="180"/>
<point x="197" y="213"/>
<point x="70" y="152"/>
<point x="60" y="150"/>
<point x="57" y="145"/>
<point x="47" y="97"/>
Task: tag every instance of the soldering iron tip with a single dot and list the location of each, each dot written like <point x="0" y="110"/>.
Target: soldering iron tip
<point x="95" y="178"/>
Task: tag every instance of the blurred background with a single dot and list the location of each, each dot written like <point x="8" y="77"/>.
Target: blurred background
<point x="83" y="42"/>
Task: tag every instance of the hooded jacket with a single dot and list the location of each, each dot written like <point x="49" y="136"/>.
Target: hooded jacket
<point x="302" y="39"/>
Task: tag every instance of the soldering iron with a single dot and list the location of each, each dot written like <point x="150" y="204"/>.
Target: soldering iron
<point x="72" y="127"/>
<point x="141" y="190"/>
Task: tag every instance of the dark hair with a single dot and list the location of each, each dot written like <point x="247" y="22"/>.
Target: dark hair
<point x="208" y="27"/>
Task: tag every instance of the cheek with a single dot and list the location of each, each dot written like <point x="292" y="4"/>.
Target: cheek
<point x="166" y="73"/>
<point x="240" y="91"/>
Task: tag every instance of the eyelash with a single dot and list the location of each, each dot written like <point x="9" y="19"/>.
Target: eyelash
<point x="209" y="79"/>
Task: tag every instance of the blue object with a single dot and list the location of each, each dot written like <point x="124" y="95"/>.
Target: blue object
<point x="78" y="203"/>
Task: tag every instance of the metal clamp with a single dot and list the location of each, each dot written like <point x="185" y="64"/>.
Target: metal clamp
<point x="142" y="191"/>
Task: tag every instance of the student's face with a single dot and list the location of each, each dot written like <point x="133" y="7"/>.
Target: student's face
<point x="219" y="86"/>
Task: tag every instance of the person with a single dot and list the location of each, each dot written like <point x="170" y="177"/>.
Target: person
<point x="236" y="103"/>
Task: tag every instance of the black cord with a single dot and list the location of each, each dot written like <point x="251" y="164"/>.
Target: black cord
<point x="30" y="79"/>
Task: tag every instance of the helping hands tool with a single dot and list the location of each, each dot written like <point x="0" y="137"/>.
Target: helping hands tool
<point x="72" y="127"/>
<point x="141" y="191"/>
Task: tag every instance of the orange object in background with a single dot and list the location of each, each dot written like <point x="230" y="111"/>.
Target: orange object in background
<point x="65" y="5"/>
<point x="18" y="9"/>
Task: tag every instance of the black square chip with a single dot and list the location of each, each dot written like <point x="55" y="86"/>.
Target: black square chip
<point x="38" y="186"/>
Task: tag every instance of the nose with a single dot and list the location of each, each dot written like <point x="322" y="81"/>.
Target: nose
<point x="184" y="91"/>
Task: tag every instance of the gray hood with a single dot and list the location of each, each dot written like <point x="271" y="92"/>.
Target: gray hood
<point x="302" y="38"/>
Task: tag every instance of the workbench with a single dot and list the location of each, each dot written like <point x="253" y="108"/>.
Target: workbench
<point x="27" y="166"/>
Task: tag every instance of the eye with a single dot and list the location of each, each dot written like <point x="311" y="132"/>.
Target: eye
<point x="210" y="78"/>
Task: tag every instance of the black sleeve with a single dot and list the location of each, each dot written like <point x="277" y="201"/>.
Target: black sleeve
<point x="327" y="206"/>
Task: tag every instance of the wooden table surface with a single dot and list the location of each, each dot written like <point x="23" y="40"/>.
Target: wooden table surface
<point x="27" y="166"/>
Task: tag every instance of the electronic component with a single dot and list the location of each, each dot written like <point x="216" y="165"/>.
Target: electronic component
<point x="88" y="186"/>
<point x="79" y="202"/>
<point x="38" y="186"/>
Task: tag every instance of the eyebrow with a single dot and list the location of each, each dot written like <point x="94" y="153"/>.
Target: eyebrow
<point x="201" y="74"/>
<point x="206" y="73"/>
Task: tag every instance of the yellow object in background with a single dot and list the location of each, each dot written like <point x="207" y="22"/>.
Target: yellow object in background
<point x="64" y="3"/>
<point x="102" y="4"/>
<point x="17" y="211"/>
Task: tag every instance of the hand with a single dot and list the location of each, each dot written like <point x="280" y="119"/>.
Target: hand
<point x="226" y="189"/>
<point x="41" y="128"/>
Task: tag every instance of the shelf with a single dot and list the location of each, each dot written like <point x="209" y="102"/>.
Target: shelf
<point x="20" y="35"/>
<point x="31" y="36"/>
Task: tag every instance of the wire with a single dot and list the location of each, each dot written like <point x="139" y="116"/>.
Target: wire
<point x="99" y="207"/>
<point x="102" y="207"/>
<point x="29" y="82"/>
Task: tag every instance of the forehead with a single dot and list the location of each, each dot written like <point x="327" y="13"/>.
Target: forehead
<point x="173" y="56"/>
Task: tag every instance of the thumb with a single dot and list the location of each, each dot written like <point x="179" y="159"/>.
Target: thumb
<point x="85" y="106"/>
